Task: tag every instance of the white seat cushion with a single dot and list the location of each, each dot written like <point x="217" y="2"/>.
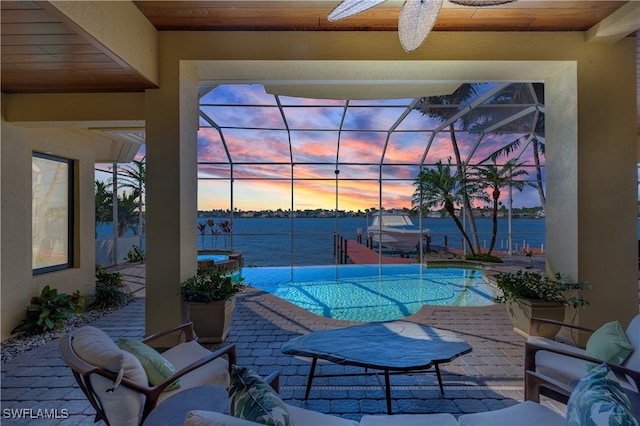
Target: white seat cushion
<point x="527" y="412"/>
<point x="298" y="416"/>
<point x="440" y="419"/>
<point x="559" y="367"/>
<point x="302" y="417"/>
<point x="210" y="418"/>
<point x="215" y="372"/>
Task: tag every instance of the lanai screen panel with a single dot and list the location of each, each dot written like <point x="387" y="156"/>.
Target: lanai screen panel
<point x="357" y="145"/>
<point x="361" y="147"/>
<point x="242" y="124"/>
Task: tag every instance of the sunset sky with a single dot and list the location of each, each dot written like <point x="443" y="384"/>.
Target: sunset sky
<point x="259" y="146"/>
<point x="262" y="147"/>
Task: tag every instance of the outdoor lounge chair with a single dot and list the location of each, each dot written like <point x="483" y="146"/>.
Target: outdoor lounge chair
<point x="566" y="364"/>
<point x="116" y="384"/>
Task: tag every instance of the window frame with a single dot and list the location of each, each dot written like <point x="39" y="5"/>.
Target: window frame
<point x="70" y="191"/>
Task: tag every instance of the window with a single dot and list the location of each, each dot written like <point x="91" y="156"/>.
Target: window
<point x="52" y="213"/>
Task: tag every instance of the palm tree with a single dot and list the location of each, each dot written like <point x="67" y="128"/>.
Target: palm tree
<point x="104" y="204"/>
<point x="134" y="176"/>
<point x="514" y="94"/>
<point x="495" y="178"/>
<point x="128" y="213"/>
<point x="538" y="147"/>
<point x="437" y="187"/>
<point x="440" y="107"/>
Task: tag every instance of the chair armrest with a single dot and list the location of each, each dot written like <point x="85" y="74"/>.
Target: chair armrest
<point x="535" y="324"/>
<point x="530" y="350"/>
<point x="185" y="329"/>
<point x="536" y="384"/>
<point x="273" y="380"/>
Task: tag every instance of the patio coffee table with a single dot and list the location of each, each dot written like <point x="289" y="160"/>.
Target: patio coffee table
<point x="173" y="410"/>
<point x="393" y="346"/>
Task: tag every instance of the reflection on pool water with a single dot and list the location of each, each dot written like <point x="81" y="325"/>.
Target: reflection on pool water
<point x="372" y="292"/>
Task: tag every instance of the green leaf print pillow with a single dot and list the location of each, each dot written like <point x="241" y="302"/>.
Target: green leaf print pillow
<point x="598" y="400"/>
<point x="251" y="398"/>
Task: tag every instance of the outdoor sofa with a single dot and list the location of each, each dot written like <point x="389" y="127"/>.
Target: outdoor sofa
<point x="536" y="413"/>
<point x="595" y="399"/>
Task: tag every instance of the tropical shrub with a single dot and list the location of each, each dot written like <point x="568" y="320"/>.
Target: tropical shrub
<point x="484" y="257"/>
<point x="534" y="285"/>
<point x="49" y="311"/>
<point x="210" y="286"/>
<point x="135" y="255"/>
<point x="110" y="291"/>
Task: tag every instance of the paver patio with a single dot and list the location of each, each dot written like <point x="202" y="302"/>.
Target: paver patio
<point x="488" y="378"/>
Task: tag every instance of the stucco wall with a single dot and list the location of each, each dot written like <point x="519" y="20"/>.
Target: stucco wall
<point x="591" y="160"/>
<point x="18" y="283"/>
<point x="591" y="140"/>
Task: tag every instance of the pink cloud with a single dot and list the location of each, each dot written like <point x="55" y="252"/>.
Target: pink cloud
<point x="359" y="151"/>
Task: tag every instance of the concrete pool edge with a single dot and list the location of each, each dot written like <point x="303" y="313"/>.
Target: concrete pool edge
<point x="271" y="305"/>
<point x="374" y="293"/>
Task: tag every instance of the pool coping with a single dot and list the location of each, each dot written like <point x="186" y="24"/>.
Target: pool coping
<point x="295" y="312"/>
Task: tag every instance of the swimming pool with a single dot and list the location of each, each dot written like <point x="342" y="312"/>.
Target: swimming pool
<point x="372" y="292"/>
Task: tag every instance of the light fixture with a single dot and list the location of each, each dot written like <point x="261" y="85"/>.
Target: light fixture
<point x="417" y="17"/>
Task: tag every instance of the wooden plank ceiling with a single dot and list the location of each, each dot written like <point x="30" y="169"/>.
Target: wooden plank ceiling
<point x="42" y="53"/>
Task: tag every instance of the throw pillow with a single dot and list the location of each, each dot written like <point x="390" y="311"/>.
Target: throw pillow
<point x="155" y="365"/>
<point x="96" y="347"/>
<point x="251" y="398"/>
<point x="609" y="343"/>
<point x="597" y="400"/>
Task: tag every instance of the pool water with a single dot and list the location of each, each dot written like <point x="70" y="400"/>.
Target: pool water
<point x="213" y="257"/>
<point x="372" y="292"/>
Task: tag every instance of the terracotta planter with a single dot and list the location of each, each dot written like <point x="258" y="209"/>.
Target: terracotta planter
<point x="521" y="310"/>
<point x="211" y="320"/>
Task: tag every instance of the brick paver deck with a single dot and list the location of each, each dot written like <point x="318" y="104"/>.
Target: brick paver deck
<point x="488" y="378"/>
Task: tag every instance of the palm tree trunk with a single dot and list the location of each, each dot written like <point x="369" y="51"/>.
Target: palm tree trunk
<point x="448" y="206"/>
<point x="467" y="204"/>
<point x="494" y="231"/>
<point x="536" y="158"/>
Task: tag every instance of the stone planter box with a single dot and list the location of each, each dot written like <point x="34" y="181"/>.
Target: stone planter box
<point x="211" y="320"/>
<point x="520" y="311"/>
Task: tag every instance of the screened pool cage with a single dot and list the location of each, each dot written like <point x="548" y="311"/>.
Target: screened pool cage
<point x="268" y="162"/>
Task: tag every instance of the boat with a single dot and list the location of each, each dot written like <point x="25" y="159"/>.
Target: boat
<point x="396" y="231"/>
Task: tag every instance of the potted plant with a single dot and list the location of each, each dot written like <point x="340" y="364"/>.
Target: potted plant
<point x="531" y="293"/>
<point x="210" y="300"/>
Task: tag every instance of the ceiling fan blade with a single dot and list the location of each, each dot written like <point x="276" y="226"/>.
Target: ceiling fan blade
<point x="351" y="7"/>
<point x="417" y="18"/>
<point x="481" y="3"/>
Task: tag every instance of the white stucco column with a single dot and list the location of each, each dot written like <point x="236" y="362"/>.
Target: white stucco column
<point x="171" y="139"/>
<point x="590" y="138"/>
<point x="607" y="182"/>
